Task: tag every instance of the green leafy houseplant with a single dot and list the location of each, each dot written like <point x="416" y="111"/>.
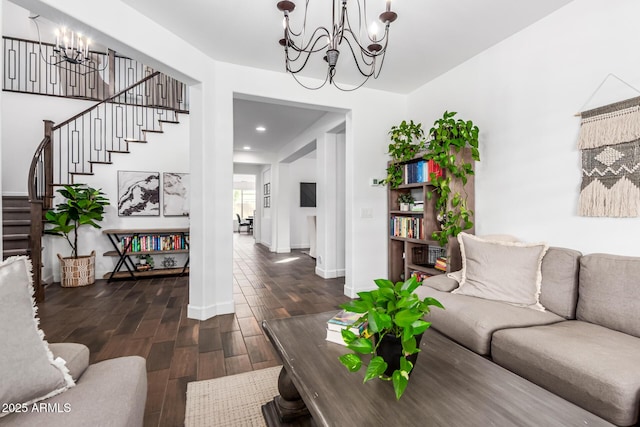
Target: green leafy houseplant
<point x="392" y="309"/>
<point x="406" y="198"/>
<point x="83" y="206"/>
<point x="407" y="141"/>
<point x="448" y="138"/>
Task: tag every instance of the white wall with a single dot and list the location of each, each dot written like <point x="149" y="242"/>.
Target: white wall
<point x="166" y="152"/>
<point x="24" y="129"/>
<point x="523" y="94"/>
<point x="302" y="170"/>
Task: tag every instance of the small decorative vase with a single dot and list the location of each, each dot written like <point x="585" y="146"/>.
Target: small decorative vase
<point x="404" y="207"/>
<point x="390" y="349"/>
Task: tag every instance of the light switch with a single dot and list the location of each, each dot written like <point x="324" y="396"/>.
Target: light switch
<point x="366" y="213"/>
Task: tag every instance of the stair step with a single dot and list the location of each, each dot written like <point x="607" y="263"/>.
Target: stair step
<point x="13" y="252"/>
<point x="16" y="209"/>
<point x="169" y="121"/>
<point x="81" y="173"/>
<point x="6" y="222"/>
<point x="15" y="237"/>
<point x="95" y="162"/>
<point x="142" y="141"/>
<point x="152" y="131"/>
<point x="118" y="151"/>
<point x="15" y="201"/>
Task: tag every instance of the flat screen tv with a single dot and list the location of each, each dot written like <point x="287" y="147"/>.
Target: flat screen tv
<point x="307" y="194"/>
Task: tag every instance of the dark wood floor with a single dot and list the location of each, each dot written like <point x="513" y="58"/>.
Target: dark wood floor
<point x="149" y="318"/>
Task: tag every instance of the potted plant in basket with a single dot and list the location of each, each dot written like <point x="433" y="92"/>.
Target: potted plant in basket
<point x="405" y="200"/>
<point x="395" y="327"/>
<point x="83" y="206"/>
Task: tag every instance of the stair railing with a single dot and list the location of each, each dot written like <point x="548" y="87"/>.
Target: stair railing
<point x="72" y="147"/>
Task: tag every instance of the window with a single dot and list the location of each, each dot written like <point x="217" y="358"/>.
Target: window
<point x="244" y="203"/>
<point x="244" y="195"/>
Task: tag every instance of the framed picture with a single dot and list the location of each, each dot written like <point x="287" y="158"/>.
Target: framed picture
<point x="267" y="189"/>
<point x="267" y="202"/>
<point x="175" y="192"/>
<point x="138" y="193"/>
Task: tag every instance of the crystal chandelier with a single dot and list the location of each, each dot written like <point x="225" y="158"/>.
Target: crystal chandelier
<point x="368" y="50"/>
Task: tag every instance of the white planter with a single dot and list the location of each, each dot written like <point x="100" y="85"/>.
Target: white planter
<point x="404" y="207"/>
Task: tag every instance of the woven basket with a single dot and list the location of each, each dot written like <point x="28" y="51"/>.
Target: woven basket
<point x="76" y="272"/>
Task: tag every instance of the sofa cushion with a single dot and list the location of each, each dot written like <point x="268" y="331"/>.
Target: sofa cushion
<point x="109" y="393"/>
<point x="501" y="271"/>
<point x="76" y="357"/>
<point x="442" y="282"/>
<point x="610" y="292"/>
<point x="471" y="321"/>
<point x="560" y="272"/>
<point x="589" y="365"/>
<point x="28" y="369"/>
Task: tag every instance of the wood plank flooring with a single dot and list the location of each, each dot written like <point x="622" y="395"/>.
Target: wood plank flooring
<point x="149" y="318"/>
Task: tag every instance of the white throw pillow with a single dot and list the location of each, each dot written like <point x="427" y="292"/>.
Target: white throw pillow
<point x="28" y="370"/>
<point x="502" y="271"/>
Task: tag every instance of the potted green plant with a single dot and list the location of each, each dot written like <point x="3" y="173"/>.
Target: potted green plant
<point x="449" y="137"/>
<point x="83" y="205"/>
<point x="407" y="140"/>
<point x="405" y="200"/>
<point x="395" y="326"/>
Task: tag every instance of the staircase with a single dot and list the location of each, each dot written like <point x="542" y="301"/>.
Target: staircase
<point x="16" y="225"/>
<point x="70" y="149"/>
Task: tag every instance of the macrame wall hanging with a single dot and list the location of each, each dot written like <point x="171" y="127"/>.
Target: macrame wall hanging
<point x="609" y="141"/>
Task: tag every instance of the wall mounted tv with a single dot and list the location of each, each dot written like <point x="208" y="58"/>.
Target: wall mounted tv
<point x="307" y="194"/>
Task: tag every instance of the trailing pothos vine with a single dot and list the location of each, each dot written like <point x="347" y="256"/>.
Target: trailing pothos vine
<point x="407" y="141"/>
<point x="448" y="138"/>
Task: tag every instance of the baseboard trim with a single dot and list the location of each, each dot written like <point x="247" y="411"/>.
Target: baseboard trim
<point x="14" y="194"/>
<point x="330" y="274"/>
<point x="204" y="313"/>
<point x="300" y="246"/>
<point x="286" y="250"/>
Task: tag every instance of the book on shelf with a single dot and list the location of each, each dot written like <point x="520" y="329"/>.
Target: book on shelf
<point x="416" y="172"/>
<point x="441" y="264"/>
<point x="420" y="275"/>
<point x="407" y="227"/>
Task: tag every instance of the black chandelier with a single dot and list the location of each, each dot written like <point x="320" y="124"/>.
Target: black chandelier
<point x="368" y="51"/>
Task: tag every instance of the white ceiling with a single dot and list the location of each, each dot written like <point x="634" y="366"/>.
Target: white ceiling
<point x="429" y="38"/>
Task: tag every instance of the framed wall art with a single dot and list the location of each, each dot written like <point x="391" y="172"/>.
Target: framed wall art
<point x="175" y="192"/>
<point x="138" y="193"/>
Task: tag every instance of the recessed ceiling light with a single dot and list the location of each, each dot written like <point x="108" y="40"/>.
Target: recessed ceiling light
<point x="261" y="128"/>
<point x="246" y="147"/>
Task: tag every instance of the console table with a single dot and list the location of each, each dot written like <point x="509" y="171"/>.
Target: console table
<point x="450" y="386"/>
<point x="155" y="241"/>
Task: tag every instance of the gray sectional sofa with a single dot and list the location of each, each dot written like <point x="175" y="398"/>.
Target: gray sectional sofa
<point x="585" y="347"/>
<point x="108" y="393"/>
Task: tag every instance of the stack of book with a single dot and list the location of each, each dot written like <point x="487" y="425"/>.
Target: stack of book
<point x="441" y="264"/>
<point x="355" y="322"/>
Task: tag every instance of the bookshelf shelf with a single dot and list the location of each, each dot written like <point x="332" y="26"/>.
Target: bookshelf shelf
<point x="402" y="250"/>
<point x="129" y="243"/>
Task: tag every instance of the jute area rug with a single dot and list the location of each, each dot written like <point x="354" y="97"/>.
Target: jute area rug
<point x="231" y="401"/>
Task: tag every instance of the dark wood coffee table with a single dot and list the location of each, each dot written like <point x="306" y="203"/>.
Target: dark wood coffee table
<point x="450" y="386"/>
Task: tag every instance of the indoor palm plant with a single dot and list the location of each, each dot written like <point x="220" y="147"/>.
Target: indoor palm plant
<point x="83" y="205"/>
<point x="449" y="137"/>
<point x="395" y="319"/>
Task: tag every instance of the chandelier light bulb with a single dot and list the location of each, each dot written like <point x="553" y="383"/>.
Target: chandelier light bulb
<point x="373" y="30"/>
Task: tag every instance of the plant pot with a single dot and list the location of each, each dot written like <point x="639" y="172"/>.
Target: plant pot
<point x="390" y="349"/>
<point x="75" y="272"/>
<point x="404" y="207"/>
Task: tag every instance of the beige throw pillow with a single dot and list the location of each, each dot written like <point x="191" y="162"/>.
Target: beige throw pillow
<point x="27" y="367"/>
<point x="502" y="271"/>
